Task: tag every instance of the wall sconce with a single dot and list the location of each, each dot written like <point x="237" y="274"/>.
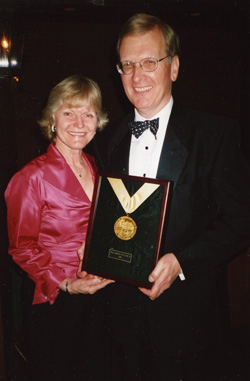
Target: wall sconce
<point x="4" y="52"/>
<point x="9" y="63"/>
<point x="11" y="47"/>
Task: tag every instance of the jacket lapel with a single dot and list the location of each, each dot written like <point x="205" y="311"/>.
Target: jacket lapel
<point x="174" y="153"/>
<point x="121" y="147"/>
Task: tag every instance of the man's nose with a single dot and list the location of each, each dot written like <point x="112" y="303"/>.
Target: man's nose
<point x="138" y="73"/>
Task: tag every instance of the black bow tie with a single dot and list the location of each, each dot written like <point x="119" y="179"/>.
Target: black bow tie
<point x="138" y="128"/>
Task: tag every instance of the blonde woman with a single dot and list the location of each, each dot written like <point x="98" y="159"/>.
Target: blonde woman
<point x="48" y="204"/>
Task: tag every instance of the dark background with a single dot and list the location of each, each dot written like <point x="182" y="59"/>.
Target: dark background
<point x="54" y="39"/>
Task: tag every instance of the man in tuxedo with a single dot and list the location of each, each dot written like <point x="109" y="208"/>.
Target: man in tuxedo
<point x="171" y="332"/>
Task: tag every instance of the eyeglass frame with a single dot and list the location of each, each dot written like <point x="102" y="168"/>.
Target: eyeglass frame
<point x="141" y="65"/>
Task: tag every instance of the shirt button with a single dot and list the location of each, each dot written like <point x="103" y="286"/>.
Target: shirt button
<point x="146" y="147"/>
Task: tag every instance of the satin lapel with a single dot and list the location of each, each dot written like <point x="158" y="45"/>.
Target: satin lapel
<point x="122" y="152"/>
<point x="174" y="153"/>
<point x="121" y="147"/>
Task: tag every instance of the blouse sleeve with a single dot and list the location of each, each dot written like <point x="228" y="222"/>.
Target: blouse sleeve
<point x="24" y="206"/>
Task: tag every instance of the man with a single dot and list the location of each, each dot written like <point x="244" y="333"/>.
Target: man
<point x="171" y="331"/>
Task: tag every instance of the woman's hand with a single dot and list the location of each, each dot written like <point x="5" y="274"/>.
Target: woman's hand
<point x="84" y="283"/>
<point x="87" y="284"/>
<point x="80" y="253"/>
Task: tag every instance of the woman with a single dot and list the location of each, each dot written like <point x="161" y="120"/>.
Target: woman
<point x="48" y="203"/>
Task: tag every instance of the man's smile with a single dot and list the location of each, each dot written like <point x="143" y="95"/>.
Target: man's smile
<point x="141" y="89"/>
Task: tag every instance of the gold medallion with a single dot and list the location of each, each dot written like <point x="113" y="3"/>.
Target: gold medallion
<point x="125" y="228"/>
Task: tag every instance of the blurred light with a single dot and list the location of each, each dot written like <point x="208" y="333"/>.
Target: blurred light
<point x="4" y="43"/>
<point x="16" y="79"/>
<point x="4" y="62"/>
<point x="13" y="62"/>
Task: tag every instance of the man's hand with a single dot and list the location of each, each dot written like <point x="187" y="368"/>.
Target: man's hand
<point x="164" y="274"/>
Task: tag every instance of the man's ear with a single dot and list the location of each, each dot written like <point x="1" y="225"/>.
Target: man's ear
<point x="175" y="64"/>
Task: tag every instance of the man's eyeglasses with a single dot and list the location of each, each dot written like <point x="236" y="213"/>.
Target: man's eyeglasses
<point x="147" y="64"/>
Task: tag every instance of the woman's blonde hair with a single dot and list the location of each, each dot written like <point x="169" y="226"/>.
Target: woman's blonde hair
<point x="73" y="91"/>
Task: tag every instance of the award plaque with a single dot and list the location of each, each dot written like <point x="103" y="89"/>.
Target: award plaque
<point x="126" y="230"/>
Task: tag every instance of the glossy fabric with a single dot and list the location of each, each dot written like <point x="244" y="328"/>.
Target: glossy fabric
<point x="48" y="213"/>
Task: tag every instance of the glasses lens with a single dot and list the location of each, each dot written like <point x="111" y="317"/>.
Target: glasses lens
<point x="149" y="64"/>
<point x="126" y="67"/>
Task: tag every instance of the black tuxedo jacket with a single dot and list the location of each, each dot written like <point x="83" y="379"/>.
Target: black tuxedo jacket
<point x="208" y="222"/>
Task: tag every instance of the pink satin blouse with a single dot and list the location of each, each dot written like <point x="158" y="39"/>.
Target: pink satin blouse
<point x="47" y="214"/>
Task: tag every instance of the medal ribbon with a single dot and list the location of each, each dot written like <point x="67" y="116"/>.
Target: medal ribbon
<point x="130" y="204"/>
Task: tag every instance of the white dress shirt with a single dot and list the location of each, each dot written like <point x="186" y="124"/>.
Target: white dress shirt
<point x="145" y="151"/>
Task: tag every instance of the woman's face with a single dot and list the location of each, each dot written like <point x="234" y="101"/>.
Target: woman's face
<point x="75" y="126"/>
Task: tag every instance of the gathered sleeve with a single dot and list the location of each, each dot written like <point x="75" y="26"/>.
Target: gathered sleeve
<point x="24" y="199"/>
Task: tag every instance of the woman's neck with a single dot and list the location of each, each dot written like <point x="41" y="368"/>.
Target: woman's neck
<point x="72" y="157"/>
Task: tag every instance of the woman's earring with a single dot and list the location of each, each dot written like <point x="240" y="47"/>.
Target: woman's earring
<point x="53" y="128"/>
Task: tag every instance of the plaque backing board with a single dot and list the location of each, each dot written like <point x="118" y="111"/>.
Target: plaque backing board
<point x="130" y="261"/>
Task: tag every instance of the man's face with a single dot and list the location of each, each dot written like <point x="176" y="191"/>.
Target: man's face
<point x="149" y="92"/>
